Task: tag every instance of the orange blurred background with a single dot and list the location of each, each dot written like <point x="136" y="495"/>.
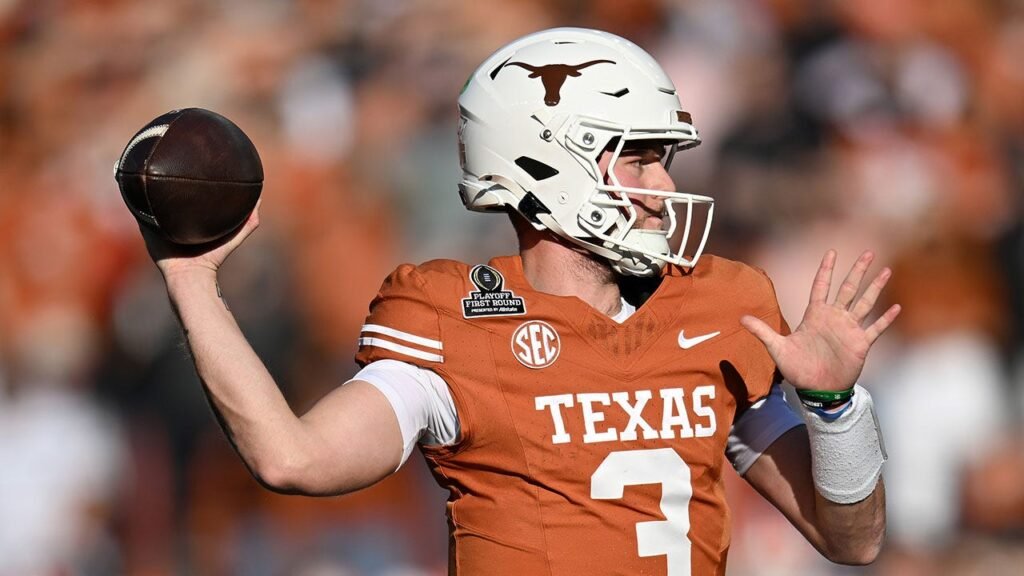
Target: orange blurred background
<point x="894" y="125"/>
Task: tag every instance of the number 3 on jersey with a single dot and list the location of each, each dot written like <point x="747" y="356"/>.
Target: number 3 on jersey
<point x="661" y="466"/>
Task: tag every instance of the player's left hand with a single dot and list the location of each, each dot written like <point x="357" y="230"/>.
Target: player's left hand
<point x="828" y="349"/>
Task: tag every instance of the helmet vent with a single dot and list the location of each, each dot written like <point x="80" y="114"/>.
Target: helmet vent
<point x="617" y="94"/>
<point x="535" y="168"/>
<point x="667" y="90"/>
<point x="565" y="42"/>
<point x="494" y="73"/>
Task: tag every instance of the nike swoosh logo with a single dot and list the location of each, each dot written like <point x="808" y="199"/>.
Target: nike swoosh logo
<point x="687" y="343"/>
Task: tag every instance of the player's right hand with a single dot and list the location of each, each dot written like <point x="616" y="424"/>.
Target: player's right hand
<point x="176" y="259"/>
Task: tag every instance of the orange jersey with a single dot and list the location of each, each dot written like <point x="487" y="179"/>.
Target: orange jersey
<point x="587" y="446"/>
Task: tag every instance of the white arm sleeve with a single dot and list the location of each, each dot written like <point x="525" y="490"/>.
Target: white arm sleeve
<point x="755" y="430"/>
<point x="421" y="401"/>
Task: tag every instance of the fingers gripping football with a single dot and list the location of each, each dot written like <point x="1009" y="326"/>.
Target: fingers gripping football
<point x="173" y="258"/>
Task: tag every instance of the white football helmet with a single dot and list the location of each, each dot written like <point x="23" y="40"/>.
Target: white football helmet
<point x="534" y="120"/>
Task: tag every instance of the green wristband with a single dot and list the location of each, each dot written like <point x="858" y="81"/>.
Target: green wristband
<point x="824" y="398"/>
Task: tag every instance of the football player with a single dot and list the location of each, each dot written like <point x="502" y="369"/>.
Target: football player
<point x="579" y="399"/>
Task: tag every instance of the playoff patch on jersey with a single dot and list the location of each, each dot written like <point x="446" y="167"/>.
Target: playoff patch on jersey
<point x="490" y="298"/>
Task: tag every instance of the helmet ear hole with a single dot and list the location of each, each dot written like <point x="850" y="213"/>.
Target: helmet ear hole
<point x="529" y="206"/>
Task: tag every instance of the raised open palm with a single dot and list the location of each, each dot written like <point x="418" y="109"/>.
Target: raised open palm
<point x="828" y="349"/>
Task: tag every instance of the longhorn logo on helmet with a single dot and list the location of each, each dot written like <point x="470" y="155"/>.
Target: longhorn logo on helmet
<point x="554" y="75"/>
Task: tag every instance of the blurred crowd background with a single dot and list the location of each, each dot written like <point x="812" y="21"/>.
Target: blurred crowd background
<point x="894" y="125"/>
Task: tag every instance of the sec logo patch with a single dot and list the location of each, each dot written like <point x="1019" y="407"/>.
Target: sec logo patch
<point x="536" y="344"/>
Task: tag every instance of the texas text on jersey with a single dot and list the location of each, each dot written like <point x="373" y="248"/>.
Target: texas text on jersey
<point x="587" y="446"/>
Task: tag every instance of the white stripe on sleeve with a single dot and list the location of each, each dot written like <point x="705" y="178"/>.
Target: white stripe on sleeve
<point x="398" y="334"/>
<point x="389" y="345"/>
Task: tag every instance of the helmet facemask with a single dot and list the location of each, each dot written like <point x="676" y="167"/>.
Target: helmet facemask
<point x="609" y="216"/>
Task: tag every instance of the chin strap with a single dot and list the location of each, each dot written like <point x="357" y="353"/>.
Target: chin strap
<point x="630" y="264"/>
<point x="637" y="263"/>
<point x="637" y="266"/>
<point x="551" y="224"/>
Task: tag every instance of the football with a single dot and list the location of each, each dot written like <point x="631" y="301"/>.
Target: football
<point x="192" y="175"/>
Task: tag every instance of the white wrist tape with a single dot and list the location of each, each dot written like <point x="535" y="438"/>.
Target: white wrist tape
<point x="846" y="453"/>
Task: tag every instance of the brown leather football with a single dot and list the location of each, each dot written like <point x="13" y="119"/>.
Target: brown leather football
<point x="192" y="175"/>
